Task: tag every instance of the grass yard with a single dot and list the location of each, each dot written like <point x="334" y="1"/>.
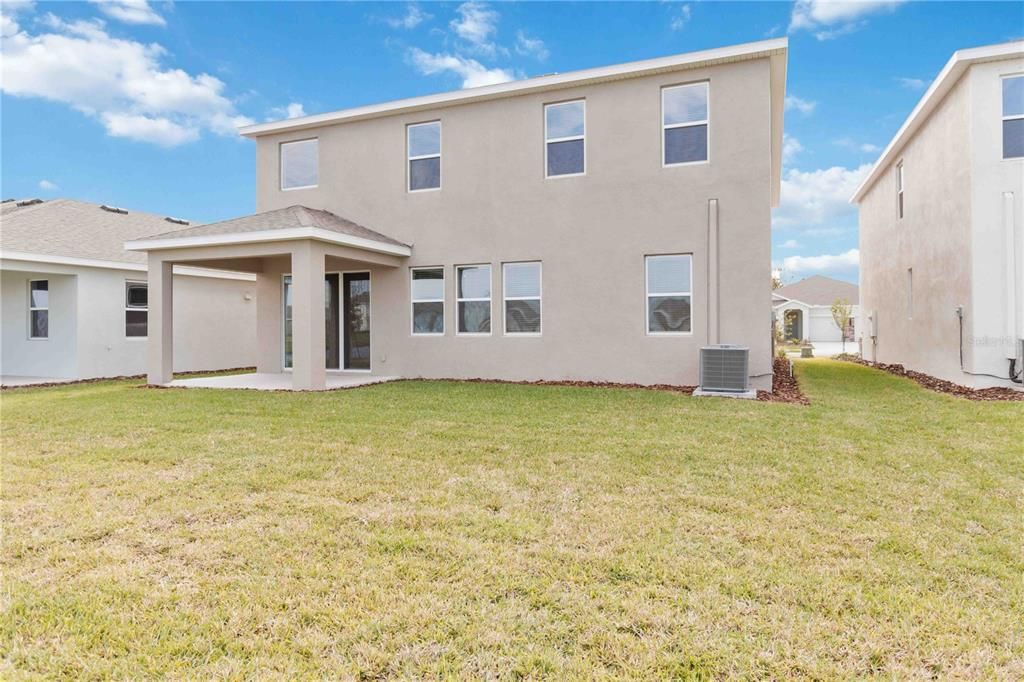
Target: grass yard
<point x="429" y="529"/>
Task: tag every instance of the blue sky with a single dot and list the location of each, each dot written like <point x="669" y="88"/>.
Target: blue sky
<point x="135" y="103"/>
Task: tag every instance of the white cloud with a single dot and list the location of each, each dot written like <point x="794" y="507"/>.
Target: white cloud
<point x="292" y="110"/>
<point x="8" y="11"/>
<point x="790" y="147"/>
<point x="790" y="244"/>
<point x="413" y="17"/>
<point x="829" y="19"/>
<point x="120" y="82"/>
<point x="912" y="83"/>
<point x="477" y="24"/>
<point x="849" y="143"/>
<point x="157" y="130"/>
<point x="815" y="201"/>
<point x="130" y="11"/>
<point x="843" y="263"/>
<point x="472" y="72"/>
<point x="681" y="18"/>
<point x="804" y="106"/>
<point x="534" y="47"/>
<point x="47" y="186"/>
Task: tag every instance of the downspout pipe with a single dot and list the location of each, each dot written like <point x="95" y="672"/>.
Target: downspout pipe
<point x="713" y="324"/>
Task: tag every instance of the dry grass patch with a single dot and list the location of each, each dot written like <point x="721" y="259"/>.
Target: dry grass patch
<point x="427" y="530"/>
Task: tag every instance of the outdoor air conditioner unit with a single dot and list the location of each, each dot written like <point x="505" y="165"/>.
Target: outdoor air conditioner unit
<point x="724" y="371"/>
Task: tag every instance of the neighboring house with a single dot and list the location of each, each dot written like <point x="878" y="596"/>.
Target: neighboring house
<point x="942" y="230"/>
<point x="803" y="310"/>
<point x="75" y="303"/>
<point x="601" y="224"/>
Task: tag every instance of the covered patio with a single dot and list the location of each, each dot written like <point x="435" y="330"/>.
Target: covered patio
<point x="313" y="270"/>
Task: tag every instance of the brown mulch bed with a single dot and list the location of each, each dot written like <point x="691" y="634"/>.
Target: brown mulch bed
<point x="785" y="388"/>
<point x="96" y="380"/>
<point x="940" y="385"/>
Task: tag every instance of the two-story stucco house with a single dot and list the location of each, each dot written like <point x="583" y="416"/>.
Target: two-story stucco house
<point x="942" y="231"/>
<point x="603" y="224"/>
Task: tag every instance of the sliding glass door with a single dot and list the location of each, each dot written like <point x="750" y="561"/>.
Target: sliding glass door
<point x="356" y="323"/>
<point x="346" y="317"/>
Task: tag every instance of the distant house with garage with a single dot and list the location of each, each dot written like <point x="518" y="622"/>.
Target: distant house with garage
<point x="75" y="304"/>
<point x="803" y="310"/>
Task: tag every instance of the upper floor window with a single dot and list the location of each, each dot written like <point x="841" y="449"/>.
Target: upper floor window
<point x="899" y="189"/>
<point x="684" y="120"/>
<point x="669" y="294"/>
<point x="136" y="309"/>
<point x="300" y="164"/>
<point x="1013" y="117"/>
<point x="521" y="288"/>
<point x="565" y="138"/>
<point x="424" y="149"/>
<point x="39" y="309"/>
<point x="473" y="299"/>
<point x="428" y="301"/>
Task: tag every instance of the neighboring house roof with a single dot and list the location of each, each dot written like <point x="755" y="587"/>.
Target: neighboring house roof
<point x="818" y="290"/>
<point x="293" y="222"/>
<point x="947" y="78"/>
<point x="72" y="229"/>
<point x="775" y="49"/>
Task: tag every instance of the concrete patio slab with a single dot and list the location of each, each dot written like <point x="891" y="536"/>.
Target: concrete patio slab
<point x="278" y="382"/>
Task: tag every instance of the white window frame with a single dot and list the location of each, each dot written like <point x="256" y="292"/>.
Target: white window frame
<point x="409" y="158"/>
<point x="458" y="300"/>
<point x="570" y="138"/>
<point x="901" y="206"/>
<point x="127" y="307"/>
<point x="505" y="298"/>
<point x="32" y="309"/>
<point x="669" y="126"/>
<point x="1003" y="118"/>
<point x="280" y="164"/>
<point x="649" y="295"/>
<point x="413" y="301"/>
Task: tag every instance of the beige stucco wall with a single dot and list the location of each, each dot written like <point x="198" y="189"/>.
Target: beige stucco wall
<point x="20" y="355"/>
<point x="933" y="238"/>
<point x="590" y="232"/>
<point x="954" y="236"/>
<point x="214" y="323"/>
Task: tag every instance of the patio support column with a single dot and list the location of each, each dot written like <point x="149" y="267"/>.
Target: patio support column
<point x="269" y="327"/>
<point x="309" y="329"/>
<point x="160" y="344"/>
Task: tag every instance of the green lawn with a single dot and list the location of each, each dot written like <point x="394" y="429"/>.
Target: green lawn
<point x="428" y="529"/>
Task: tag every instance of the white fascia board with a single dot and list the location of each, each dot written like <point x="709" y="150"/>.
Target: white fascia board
<point x="755" y="50"/>
<point x="69" y="261"/>
<point x="931" y="99"/>
<point x="264" y="236"/>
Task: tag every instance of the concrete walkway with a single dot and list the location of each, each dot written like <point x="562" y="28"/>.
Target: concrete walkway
<point x="277" y="382"/>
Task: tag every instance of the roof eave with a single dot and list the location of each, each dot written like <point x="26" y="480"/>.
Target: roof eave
<point x="940" y="87"/>
<point x="746" y="51"/>
<point x="265" y="236"/>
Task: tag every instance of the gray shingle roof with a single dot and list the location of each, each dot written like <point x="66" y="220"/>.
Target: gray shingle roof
<point x="75" y="229"/>
<point x="281" y="219"/>
<point x="819" y="290"/>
